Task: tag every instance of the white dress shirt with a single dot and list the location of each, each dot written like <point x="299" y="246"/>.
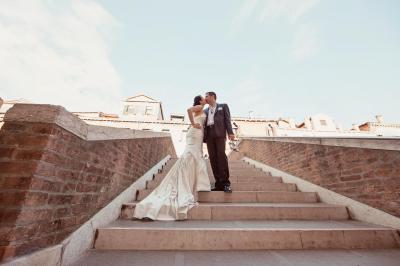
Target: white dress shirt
<point x="211" y="113"/>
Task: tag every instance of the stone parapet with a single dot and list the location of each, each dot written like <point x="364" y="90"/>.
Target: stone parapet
<point x="366" y="170"/>
<point x="56" y="172"/>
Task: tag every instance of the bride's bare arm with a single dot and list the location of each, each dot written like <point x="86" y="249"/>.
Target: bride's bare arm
<point x="190" y="111"/>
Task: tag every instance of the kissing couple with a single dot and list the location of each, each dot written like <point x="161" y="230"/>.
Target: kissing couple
<point x="177" y="192"/>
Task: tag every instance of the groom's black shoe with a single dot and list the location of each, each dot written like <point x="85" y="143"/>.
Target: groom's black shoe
<point x="227" y="189"/>
<point x="217" y="189"/>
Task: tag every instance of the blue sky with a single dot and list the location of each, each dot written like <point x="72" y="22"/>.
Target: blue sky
<point x="277" y="58"/>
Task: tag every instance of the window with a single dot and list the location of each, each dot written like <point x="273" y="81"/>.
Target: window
<point x="149" y="110"/>
<point x="126" y="109"/>
<point x="130" y="110"/>
<point x="323" y="122"/>
<point x="145" y="129"/>
<point x="165" y="130"/>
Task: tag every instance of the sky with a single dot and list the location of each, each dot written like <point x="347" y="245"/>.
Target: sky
<point x="276" y="58"/>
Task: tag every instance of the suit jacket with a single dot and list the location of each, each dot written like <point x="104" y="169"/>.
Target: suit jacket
<point x="222" y="121"/>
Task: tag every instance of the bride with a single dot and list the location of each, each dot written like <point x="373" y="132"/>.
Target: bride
<point x="175" y="195"/>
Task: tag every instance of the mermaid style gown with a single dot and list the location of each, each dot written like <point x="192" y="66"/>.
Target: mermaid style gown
<point x="175" y="195"/>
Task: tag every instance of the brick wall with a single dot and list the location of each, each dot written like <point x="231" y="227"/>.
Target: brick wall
<point x="370" y="176"/>
<point x="52" y="181"/>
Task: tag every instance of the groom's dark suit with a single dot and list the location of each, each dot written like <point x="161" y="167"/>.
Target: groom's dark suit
<point x="215" y="137"/>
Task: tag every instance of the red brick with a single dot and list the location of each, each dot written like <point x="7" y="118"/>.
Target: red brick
<point x="9" y="216"/>
<point x="36" y="199"/>
<point x="18" y="233"/>
<point x="69" y="187"/>
<point x="62" y="212"/>
<point x="46" y="185"/>
<point x="49" y="226"/>
<point x="60" y="199"/>
<point x="17" y="168"/>
<point x="350" y="178"/>
<point x="65" y="188"/>
<point x="350" y="171"/>
<point x="12" y="198"/>
<point x="7" y="252"/>
<point x="79" y="209"/>
<point x="57" y="145"/>
<point x="42" y="128"/>
<point x="68" y="222"/>
<point x="28" y="154"/>
<point x="35" y="244"/>
<point x="60" y="236"/>
<point x="27" y="216"/>
<point x="19" y="183"/>
<point x="54" y="158"/>
<point x="14" y="126"/>
<point x="25" y="140"/>
<point x="91" y="178"/>
<point x="6" y="153"/>
<point x="66" y="175"/>
<point x="86" y="188"/>
<point x="45" y="169"/>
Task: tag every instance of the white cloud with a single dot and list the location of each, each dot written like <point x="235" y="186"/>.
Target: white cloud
<point x="266" y="10"/>
<point x="291" y="10"/>
<point x="252" y="93"/>
<point x="246" y="10"/>
<point x="58" y="52"/>
<point x="305" y="42"/>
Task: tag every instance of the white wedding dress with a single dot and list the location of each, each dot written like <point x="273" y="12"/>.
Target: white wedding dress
<point x="175" y="195"/>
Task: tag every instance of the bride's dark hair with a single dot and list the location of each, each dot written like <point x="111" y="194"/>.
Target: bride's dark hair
<point x="197" y="100"/>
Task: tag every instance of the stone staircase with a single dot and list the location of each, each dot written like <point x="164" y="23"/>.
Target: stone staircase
<point x="261" y="213"/>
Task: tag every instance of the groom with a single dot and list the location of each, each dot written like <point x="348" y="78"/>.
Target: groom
<point x="218" y="124"/>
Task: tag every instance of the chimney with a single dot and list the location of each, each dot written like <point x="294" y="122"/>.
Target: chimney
<point x="251" y="114"/>
<point x="307" y="124"/>
<point x="292" y="124"/>
<point x="379" y="119"/>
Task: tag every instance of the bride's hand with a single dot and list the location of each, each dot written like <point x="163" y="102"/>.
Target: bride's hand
<point x="197" y="125"/>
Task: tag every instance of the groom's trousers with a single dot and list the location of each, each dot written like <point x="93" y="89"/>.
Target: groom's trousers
<point x="218" y="158"/>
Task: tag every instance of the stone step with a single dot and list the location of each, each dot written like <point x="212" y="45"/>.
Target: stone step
<point x="237" y="179"/>
<point x="258" y="211"/>
<point x="265" y="184"/>
<point x="251" y="179"/>
<point x="258" y="196"/>
<point x="152" y="184"/>
<point x="263" y="187"/>
<point x="371" y="257"/>
<point x="141" y="194"/>
<point x="243" y="235"/>
<point x="243" y="173"/>
<point x="241" y="167"/>
<point x="255" y="179"/>
<point x="274" y="192"/>
<point x="233" y="164"/>
<point x="168" y="165"/>
<point x="249" y="196"/>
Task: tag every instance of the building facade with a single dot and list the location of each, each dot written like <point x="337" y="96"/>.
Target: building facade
<point x="142" y="112"/>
